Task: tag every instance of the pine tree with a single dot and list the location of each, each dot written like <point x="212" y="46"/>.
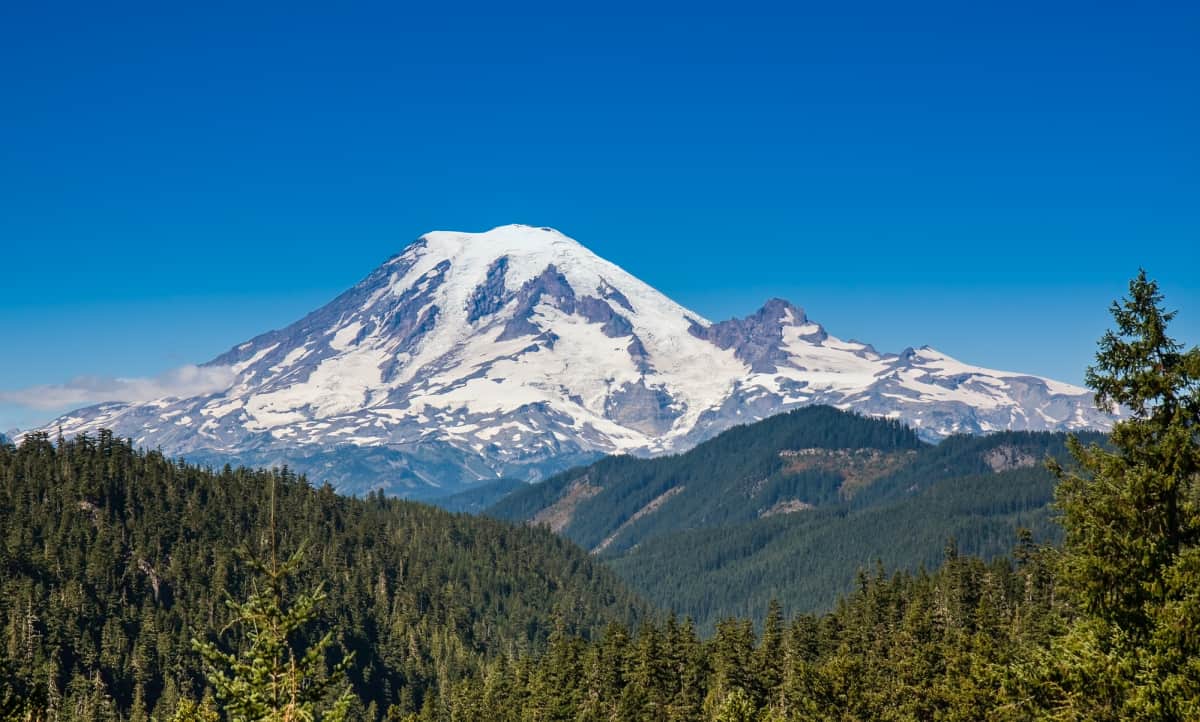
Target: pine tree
<point x="19" y="698"/>
<point x="649" y="688"/>
<point x="271" y="679"/>
<point x="687" y="663"/>
<point x="556" y="685"/>
<point x="732" y="651"/>
<point x="1132" y="518"/>
<point x="769" y="657"/>
<point x="189" y="711"/>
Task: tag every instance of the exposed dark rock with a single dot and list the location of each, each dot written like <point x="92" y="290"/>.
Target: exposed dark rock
<point x="757" y="339"/>
<point x="489" y="296"/>
<point x="792" y="386"/>
<point x="1009" y="457"/>
<point x="327" y="316"/>
<point x="549" y="283"/>
<point x="596" y="310"/>
<point x="420" y="437"/>
<point x="609" y="293"/>
<point x="409" y="328"/>
<point x="617" y="326"/>
<point x="638" y="353"/>
<point x="649" y="410"/>
<point x="367" y="329"/>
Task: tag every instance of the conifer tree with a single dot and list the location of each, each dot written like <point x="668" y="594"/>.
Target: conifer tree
<point x="1132" y="519"/>
<point x="768" y="658"/>
<point x="272" y="679"/>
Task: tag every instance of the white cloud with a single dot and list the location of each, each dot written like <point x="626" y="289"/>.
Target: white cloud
<point x="85" y="390"/>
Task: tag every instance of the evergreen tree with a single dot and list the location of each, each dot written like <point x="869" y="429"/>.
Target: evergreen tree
<point x="1132" y="553"/>
<point x="769" y="657"/>
<point x="273" y="678"/>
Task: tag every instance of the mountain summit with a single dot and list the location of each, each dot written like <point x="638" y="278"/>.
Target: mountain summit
<point x="519" y="352"/>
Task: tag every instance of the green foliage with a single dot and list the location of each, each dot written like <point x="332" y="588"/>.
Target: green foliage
<point x="112" y="560"/>
<point x="1131" y="560"/>
<point x="189" y="711"/>
<point x="702" y="533"/>
<point x="727" y="479"/>
<point x="808" y="560"/>
<point x="907" y="647"/>
<point x="707" y="553"/>
<point x="1108" y="629"/>
<point x="269" y="679"/>
<point x="20" y="697"/>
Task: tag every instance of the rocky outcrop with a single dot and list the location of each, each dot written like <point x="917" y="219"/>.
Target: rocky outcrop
<point x="559" y="514"/>
<point x="758" y="339"/>
<point x="1007" y="458"/>
<point x="649" y="410"/>
<point x="491" y="295"/>
<point x="652" y="506"/>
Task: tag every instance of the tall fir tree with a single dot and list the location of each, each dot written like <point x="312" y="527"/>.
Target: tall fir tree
<point x="1131" y="559"/>
<point x="274" y="679"/>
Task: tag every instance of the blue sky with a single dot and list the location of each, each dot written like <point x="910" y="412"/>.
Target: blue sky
<point x="981" y="177"/>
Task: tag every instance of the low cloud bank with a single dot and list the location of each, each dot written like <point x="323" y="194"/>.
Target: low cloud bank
<point x="86" y="390"/>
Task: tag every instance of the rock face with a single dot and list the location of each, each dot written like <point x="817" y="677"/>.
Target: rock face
<point x="1007" y="458"/>
<point x="518" y="352"/>
<point x="758" y="340"/>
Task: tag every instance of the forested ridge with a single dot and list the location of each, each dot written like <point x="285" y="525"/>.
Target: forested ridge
<point x="808" y="560"/>
<point x="718" y="476"/>
<point x="948" y="645"/>
<point x="113" y="559"/>
<point x="788" y="508"/>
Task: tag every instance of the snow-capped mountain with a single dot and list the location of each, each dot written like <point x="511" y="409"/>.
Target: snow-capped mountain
<point x="518" y="352"/>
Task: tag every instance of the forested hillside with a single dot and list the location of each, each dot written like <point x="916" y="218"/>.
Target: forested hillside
<point x="114" y="559"/>
<point x="807" y="561"/>
<point x="950" y="645"/>
<point x="737" y="476"/>
<point x="790" y="507"/>
<point x="479" y="499"/>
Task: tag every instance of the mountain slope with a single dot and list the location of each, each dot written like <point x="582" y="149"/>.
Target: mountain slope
<point x="738" y="476"/>
<point x="480" y="498"/>
<point x="114" y="559"/>
<point x="807" y="560"/>
<point x="790" y="507"/>
<point x="518" y="352"/>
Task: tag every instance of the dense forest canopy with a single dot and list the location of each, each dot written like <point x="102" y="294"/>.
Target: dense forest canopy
<point x="114" y="559"/>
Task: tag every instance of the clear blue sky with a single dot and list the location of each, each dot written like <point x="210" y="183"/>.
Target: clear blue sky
<point x="981" y="177"/>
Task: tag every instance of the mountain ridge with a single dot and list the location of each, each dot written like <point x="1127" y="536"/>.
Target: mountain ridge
<point x="517" y="352"/>
<point x="791" y="507"/>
